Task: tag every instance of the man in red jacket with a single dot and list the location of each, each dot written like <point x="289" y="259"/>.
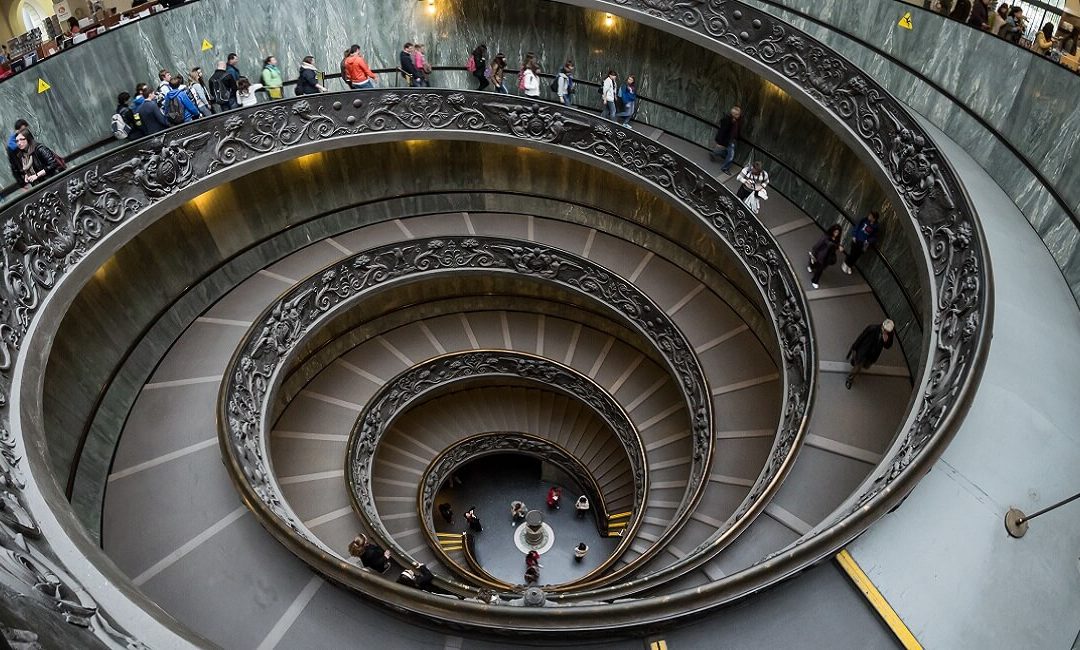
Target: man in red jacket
<point x="360" y="75"/>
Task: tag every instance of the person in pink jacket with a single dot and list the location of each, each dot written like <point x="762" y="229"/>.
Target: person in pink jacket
<point x="423" y="70"/>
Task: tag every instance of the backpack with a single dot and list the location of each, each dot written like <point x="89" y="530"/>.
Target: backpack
<point x="120" y="128"/>
<point x="174" y="111"/>
<point x="555" y="84"/>
<point x="219" y="91"/>
<point x="470" y="65"/>
<point x="521" y="80"/>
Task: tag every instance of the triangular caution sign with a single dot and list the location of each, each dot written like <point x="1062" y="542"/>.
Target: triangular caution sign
<point x="42" y="86"/>
<point x="905" y="21"/>
<point x="207" y="45"/>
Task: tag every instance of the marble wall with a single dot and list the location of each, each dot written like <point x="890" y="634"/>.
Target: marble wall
<point x="1026" y="106"/>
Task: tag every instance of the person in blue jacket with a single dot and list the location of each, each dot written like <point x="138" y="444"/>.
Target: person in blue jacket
<point x="182" y="95"/>
<point x="864" y="236"/>
<point x="153" y="120"/>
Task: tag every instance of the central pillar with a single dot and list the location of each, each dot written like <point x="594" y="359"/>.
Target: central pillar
<point x="534" y="531"/>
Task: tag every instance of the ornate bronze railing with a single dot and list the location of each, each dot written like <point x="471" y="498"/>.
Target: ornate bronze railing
<point x="266" y="353"/>
<point x="413" y="385"/>
<point x="448" y="110"/>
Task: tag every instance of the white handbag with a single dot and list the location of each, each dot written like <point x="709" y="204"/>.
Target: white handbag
<point x="752" y="203"/>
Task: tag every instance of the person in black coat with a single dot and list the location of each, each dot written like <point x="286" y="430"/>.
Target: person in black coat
<point x="407" y="65"/>
<point x="480" y="61"/>
<point x="474" y="521"/>
<point x="221" y="88"/>
<point x="36" y="161"/>
<point x="980" y="15"/>
<point x="308" y="81"/>
<point x="823" y="254"/>
<point x="725" y="139"/>
<point x="419" y="577"/>
<point x="371" y="555"/>
<point x="867" y="348"/>
<point x="130" y="117"/>
<point x="961" y="10"/>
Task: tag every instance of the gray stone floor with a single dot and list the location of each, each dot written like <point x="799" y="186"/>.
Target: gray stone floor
<point x="491" y="484"/>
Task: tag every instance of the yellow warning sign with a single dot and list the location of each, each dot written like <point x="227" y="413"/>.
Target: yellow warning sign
<point x="42" y="86"/>
<point x="207" y="45"/>
<point x="905" y="21"/>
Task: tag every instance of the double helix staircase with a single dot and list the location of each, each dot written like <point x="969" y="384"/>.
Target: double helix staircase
<point x="174" y="488"/>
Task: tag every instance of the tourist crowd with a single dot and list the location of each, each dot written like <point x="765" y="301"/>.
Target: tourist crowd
<point x="1007" y="22"/>
<point x="177" y="98"/>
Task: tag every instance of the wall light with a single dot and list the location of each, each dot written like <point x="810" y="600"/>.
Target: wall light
<point x="431" y="7"/>
<point x="609" y="20"/>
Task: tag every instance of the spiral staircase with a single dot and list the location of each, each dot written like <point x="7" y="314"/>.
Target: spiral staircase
<point x="286" y="358"/>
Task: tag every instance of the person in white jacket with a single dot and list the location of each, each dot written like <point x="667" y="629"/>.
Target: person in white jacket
<point x="532" y="80"/>
<point x="753" y="180"/>
<point x="611" y="86"/>
<point x="245" y="92"/>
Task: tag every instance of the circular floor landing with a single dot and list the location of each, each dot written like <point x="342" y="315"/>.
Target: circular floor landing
<point x="491" y="487"/>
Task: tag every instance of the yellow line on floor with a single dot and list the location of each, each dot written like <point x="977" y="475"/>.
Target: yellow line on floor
<point x="877" y="601"/>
